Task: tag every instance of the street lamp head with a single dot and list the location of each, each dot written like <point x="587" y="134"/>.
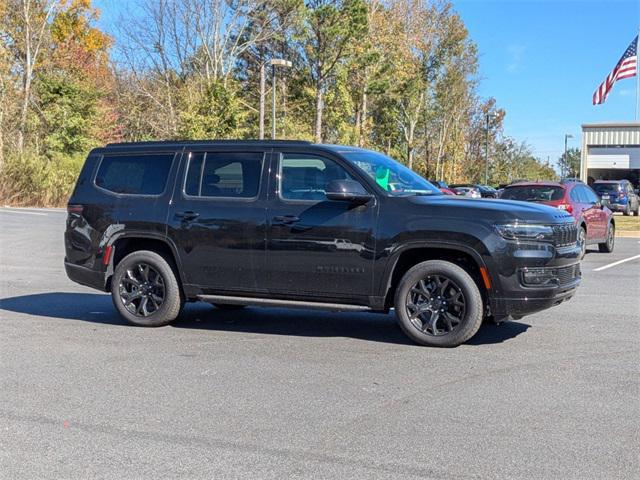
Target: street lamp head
<point x="568" y="135"/>
<point x="280" y="62"/>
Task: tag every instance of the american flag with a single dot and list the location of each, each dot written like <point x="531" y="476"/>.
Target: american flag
<point x="625" y="68"/>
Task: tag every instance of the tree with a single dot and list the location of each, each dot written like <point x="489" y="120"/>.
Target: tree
<point x="570" y="165"/>
<point x="325" y="34"/>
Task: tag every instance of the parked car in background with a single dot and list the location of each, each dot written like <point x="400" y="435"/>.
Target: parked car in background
<point x="470" y="192"/>
<point x="443" y="187"/>
<point x="485" y="191"/>
<point x="618" y="195"/>
<point x="594" y="220"/>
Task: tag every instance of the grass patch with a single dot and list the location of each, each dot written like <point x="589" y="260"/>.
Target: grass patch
<point x="627" y="224"/>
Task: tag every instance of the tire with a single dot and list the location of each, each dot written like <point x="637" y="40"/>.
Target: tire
<point x="582" y="240"/>
<point x="432" y="275"/>
<point x="609" y="243"/>
<point x="228" y="306"/>
<point x="145" y="274"/>
<point x="637" y="212"/>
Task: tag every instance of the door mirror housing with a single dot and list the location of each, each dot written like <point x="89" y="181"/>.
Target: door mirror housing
<point x="347" y="191"/>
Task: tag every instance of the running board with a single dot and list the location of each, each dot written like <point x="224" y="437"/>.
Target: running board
<point x="270" y="302"/>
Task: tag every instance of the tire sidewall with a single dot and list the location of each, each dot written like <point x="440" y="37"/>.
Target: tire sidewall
<point x="474" y="304"/>
<point x="169" y="309"/>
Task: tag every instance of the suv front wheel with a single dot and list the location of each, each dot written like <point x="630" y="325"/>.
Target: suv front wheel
<point x="145" y="291"/>
<point x="438" y="304"/>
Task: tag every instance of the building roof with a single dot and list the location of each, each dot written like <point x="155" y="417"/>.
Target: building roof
<point x="611" y="125"/>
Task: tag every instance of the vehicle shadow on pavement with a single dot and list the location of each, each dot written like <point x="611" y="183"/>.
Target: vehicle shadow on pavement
<point x="97" y="308"/>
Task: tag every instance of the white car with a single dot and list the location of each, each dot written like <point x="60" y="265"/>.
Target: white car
<point x="467" y="192"/>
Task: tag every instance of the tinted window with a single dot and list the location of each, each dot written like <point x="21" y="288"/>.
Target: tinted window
<point x="589" y="195"/>
<point x="390" y="175"/>
<point x="605" y="187"/>
<point x="305" y="177"/>
<point x="134" y="174"/>
<point x="223" y="174"/>
<point x="533" y="193"/>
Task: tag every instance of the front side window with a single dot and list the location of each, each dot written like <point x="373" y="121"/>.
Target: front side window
<point x="305" y="176"/>
<point x="391" y="176"/>
<point x="223" y="174"/>
<point x="134" y="174"/>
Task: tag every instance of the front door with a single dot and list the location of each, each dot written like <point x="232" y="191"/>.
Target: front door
<point x="217" y="219"/>
<point x="317" y="247"/>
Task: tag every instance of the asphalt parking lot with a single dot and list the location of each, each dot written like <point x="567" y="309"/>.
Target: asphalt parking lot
<point x="279" y="394"/>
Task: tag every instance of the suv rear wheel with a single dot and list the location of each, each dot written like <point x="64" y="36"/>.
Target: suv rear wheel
<point x="145" y="291"/>
<point x="438" y="304"/>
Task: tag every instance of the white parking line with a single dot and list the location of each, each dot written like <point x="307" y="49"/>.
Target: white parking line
<point x="615" y="263"/>
<point x="20" y="212"/>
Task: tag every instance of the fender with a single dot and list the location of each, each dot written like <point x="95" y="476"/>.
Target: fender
<point x="120" y="234"/>
<point x="478" y="257"/>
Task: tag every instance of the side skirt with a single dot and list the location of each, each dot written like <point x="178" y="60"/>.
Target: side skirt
<point x="269" y="302"/>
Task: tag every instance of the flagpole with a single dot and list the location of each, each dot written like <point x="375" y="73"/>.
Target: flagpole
<point x="637" y="75"/>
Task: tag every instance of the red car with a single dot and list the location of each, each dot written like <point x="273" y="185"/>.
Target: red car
<point x="592" y="216"/>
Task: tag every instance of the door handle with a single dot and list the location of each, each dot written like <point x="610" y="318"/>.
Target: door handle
<point x="188" y="215"/>
<point x="286" y="219"/>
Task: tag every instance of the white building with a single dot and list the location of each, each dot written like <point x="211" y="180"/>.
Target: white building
<point x="611" y="151"/>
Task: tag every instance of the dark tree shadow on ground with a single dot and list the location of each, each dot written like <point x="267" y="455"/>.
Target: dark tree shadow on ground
<point x="375" y="327"/>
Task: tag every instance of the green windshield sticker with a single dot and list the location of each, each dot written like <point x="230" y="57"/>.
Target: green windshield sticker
<point x="382" y="177"/>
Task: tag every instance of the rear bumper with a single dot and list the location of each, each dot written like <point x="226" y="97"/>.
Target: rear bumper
<point x="617" y="207"/>
<point x="86" y="276"/>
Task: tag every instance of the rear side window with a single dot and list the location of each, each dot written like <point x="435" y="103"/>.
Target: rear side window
<point x="533" y="193"/>
<point x="223" y="174"/>
<point x="134" y="174"/>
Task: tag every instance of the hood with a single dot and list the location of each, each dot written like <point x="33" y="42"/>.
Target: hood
<point x="491" y="209"/>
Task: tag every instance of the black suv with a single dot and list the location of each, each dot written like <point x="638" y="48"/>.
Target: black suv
<point x="295" y="224"/>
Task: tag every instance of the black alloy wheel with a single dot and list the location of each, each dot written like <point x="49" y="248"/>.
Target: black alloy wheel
<point x="436" y="305"/>
<point x="142" y="290"/>
<point x="145" y="289"/>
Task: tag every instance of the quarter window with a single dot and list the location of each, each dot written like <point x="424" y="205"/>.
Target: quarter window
<point x="305" y="177"/>
<point x="134" y="174"/>
<point x="223" y="174"/>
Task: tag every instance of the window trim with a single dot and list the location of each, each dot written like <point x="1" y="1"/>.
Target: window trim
<point x="186" y="196"/>
<point x="136" y="195"/>
<point x="279" y="157"/>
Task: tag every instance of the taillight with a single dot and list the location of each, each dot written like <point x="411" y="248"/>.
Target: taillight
<point x="566" y="206"/>
<point x="77" y="209"/>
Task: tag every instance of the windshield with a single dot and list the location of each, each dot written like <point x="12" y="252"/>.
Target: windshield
<point x="605" y="187"/>
<point x="390" y="175"/>
<point x="533" y="193"/>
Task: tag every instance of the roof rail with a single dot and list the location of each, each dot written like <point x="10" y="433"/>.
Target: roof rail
<point x="205" y="142"/>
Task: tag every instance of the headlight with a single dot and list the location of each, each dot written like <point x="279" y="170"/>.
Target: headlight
<point x="523" y="231"/>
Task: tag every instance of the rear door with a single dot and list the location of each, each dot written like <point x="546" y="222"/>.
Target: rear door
<point x="317" y="247"/>
<point x="217" y="218"/>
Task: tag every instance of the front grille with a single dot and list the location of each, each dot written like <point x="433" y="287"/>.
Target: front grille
<point x="567" y="275"/>
<point x="565" y="234"/>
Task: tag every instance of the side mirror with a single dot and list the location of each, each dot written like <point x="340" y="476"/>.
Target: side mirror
<point x="347" y="191"/>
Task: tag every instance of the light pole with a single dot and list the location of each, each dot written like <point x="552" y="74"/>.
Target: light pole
<point x="567" y="136"/>
<point x="274" y="62"/>
<point x="486" y="145"/>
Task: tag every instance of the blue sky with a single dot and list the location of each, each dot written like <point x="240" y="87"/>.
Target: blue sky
<point x="542" y="60"/>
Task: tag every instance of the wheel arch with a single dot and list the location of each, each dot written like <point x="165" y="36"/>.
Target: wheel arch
<point x="129" y="242"/>
<point x="462" y="255"/>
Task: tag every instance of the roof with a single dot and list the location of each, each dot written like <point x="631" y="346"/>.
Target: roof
<point x="611" y="125"/>
<point x="545" y="183"/>
<point x="162" y="143"/>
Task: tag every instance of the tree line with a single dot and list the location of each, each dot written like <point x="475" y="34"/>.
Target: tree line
<point x="399" y="76"/>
